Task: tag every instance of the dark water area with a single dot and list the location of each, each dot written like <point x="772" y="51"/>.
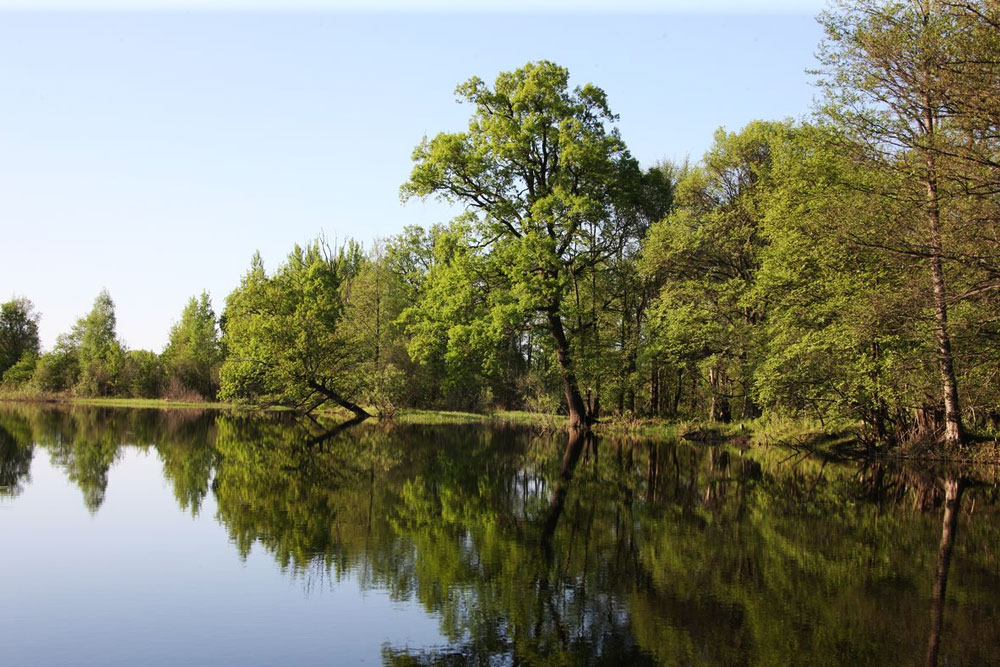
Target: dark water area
<point x="199" y="538"/>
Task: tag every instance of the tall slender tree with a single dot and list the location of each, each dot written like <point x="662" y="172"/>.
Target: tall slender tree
<point x="883" y="73"/>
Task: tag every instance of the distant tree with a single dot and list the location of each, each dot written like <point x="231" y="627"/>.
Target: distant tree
<point x="194" y="353"/>
<point x="144" y="375"/>
<point x="409" y="257"/>
<point x="59" y="369"/>
<point x="21" y="373"/>
<point x="18" y="332"/>
<point x="100" y="354"/>
<point x="706" y="255"/>
<point x="374" y="297"/>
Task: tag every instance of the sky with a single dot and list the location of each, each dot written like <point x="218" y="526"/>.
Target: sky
<point x="151" y="147"/>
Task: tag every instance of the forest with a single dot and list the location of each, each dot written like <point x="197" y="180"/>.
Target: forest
<point x="843" y="269"/>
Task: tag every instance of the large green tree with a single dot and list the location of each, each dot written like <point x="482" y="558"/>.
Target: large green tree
<point x="539" y="170"/>
<point x="283" y="337"/>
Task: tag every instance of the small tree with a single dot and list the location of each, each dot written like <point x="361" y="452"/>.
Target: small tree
<point x="194" y="353"/>
<point x="144" y="375"/>
<point x="100" y="354"/>
<point x="18" y="332"/>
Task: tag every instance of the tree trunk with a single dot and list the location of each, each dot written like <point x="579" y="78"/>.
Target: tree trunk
<point x="953" y="418"/>
<point x="719" y="410"/>
<point x="654" y="390"/>
<point x="574" y="400"/>
<point x="676" y="406"/>
<point x="340" y="400"/>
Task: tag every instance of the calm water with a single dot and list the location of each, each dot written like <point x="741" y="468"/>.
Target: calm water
<point x="144" y="537"/>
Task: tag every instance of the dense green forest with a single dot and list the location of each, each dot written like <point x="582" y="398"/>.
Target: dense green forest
<point x="843" y="268"/>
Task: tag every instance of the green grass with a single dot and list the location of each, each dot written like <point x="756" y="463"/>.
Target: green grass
<point x="66" y="399"/>
<point x="516" y="418"/>
<point x="161" y="403"/>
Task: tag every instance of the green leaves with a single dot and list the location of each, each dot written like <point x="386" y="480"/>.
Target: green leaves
<point x="281" y="331"/>
<point x="18" y="332"/>
<point x="706" y="254"/>
<point x="540" y="172"/>
<point x="194" y="353"/>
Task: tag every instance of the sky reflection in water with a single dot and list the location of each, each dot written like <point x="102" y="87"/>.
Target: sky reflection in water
<point x="147" y="537"/>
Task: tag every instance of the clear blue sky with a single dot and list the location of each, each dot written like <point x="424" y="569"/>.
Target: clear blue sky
<point x="153" y="152"/>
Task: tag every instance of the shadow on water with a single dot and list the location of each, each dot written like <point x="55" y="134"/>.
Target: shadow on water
<point x="536" y="548"/>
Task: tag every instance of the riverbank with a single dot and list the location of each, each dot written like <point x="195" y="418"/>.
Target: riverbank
<point x="155" y="403"/>
<point x="832" y="441"/>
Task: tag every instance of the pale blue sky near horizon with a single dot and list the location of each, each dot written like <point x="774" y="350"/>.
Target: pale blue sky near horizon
<point x="152" y="152"/>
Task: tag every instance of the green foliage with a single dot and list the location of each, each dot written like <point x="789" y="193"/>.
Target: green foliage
<point x="374" y="297"/>
<point x="144" y="375"/>
<point x="706" y="255"/>
<point x="540" y="171"/>
<point x="18" y="332"/>
<point x="837" y="333"/>
<point x="100" y="355"/>
<point x="59" y="369"/>
<point x="282" y="333"/>
<point x="20" y="374"/>
<point x="463" y="324"/>
<point x="194" y="353"/>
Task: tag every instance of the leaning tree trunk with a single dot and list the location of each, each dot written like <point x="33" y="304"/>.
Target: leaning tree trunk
<point x="358" y="411"/>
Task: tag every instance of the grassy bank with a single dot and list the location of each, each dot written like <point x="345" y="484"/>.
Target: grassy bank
<point x="831" y="441"/>
<point x="156" y="403"/>
<point x="501" y="418"/>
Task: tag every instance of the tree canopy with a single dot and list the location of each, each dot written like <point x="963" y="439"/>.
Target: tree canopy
<point x="540" y="171"/>
<point x="282" y="333"/>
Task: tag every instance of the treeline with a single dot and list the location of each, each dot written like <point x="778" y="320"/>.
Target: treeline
<point x="91" y="361"/>
<point x="844" y="268"/>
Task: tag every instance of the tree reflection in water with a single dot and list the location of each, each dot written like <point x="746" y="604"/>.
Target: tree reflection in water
<point x="542" y="549"/>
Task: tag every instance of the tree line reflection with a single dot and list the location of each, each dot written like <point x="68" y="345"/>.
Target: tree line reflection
<point x="556" y="549"/>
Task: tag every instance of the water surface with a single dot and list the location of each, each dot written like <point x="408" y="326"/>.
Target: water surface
<point x="153" y="537"/>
